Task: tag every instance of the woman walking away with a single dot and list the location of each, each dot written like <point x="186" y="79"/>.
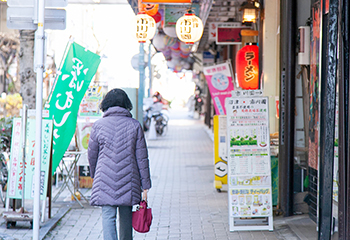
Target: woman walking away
<point x="119" y="164"/>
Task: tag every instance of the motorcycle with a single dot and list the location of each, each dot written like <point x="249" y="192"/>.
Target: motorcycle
<point x="160" y="119"/>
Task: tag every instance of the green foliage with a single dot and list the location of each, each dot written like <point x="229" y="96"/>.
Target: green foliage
<point x="5" y="131"/>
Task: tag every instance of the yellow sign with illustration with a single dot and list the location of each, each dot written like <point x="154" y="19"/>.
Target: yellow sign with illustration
<point x="220" y="151"/>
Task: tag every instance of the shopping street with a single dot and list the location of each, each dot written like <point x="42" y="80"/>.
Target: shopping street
<point x="184" y="202"/>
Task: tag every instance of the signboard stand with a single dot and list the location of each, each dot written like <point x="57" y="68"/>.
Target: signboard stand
<point x="249" y="164"/>
<point x="25" y="161"/>
<point x="220" y="151"/>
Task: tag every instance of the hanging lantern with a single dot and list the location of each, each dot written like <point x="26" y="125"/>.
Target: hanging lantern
<point x="250" y="11"/>
<point x="150" y="9"/>
<point x="247" y="67"/>
<point x="184" y="55"/>
<point x="157" y="17"/>
<point x="170" y="31"/>
<point x="175" y="47"/>
<point x="145" y="27"/>
<point x="169" y="41"/>
<point x="189" y="28"/>
<point x="158" y="42"/>
<point x="185" y="48"/>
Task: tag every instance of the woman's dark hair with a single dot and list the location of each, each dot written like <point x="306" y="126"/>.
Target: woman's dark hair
<point x="116" y="97"/>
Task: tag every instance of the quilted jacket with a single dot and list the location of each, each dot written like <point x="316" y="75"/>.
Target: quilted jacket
<point x="118" y="159"/>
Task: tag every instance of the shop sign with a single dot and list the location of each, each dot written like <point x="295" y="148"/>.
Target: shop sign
<point x="220" y="151"/>
<point x="208" y="58"/>
<point x="249" y="166"/>
<point x="229" y="35"/>
<point x="174" y="12"/>
<point x="21" y="176"/>
<point x="219" y="78"/>
<point x="214" y="25"/>
<point x="247" y="67"/>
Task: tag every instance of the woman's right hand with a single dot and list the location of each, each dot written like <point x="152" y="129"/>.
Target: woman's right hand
<point x="144" y="195"/>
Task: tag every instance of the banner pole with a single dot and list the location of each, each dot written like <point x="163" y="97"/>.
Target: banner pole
<point x="39" y="47"/>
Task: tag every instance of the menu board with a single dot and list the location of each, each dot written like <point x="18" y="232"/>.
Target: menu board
<point x="249" y="165"/>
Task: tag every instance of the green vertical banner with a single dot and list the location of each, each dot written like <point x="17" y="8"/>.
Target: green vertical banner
<point x="79" y="67"/>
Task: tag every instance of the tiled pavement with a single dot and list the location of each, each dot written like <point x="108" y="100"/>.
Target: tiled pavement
<point x="184" y="202"/>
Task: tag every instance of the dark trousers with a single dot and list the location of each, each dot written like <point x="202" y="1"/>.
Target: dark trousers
<point x="109" y="215"/>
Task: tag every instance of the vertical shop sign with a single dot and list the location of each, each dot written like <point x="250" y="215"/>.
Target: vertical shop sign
<point x="15" y="157"/>
<point x="249" y="166"/>
<point x="219" y="78"/>
<point x="220" y="151"/>
<point x="18" y="170"/>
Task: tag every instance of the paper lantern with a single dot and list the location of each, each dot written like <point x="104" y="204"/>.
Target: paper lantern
<point x="171" y="64"/>
<point x="187" y="66"/>
<point x="175" y="53"/>
<point x="150" y="9"/>
<point x="145" y="27"/>
<point x="169" y="41"/>
<point x="184" y="55"/>
<point x="176" y="46"/>
<point x="185" y="48"/>
<point x="189" y="28"/>
<point x="157" y="17"/>
<point x="170" y="31"/>
<point x="158" y="42"/>
<point x="247" y="67"/>
<point x="167" y="54"/>
<point x="176" y="60"/>
<point x="178" y="68"/>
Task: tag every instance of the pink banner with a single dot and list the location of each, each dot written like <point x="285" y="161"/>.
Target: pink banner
<point x="219" y="78"/>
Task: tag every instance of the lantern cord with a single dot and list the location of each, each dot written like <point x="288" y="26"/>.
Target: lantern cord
<point x="189" y="9"/>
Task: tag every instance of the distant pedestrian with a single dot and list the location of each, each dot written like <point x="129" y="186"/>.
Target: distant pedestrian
<point x="119" y="164"/>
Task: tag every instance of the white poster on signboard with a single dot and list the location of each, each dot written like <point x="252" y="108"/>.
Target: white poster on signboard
<point x="249" y="166"/>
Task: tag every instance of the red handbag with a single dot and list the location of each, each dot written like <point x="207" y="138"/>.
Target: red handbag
<point x="142" y="218"/>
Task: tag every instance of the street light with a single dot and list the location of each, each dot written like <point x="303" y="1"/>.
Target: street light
<point x="250" y="11"/>
<point x="189" y="28"/>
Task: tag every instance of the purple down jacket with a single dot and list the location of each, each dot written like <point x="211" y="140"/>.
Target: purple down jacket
<point x="118" y="159"/>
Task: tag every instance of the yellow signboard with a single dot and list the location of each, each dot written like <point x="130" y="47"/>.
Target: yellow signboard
<point x="220" y="151"/>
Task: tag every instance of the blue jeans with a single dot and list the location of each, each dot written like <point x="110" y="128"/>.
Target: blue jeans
<point x="109" y="214"/>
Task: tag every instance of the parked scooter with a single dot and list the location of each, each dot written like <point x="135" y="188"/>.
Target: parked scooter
<point x="160" y="119"/>
<point x="155" y="111"/>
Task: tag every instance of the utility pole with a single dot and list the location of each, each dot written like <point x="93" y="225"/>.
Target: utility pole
<point x="150" y="69"/>
<point x="141" y="91"/>
<point x="39" y="48"/>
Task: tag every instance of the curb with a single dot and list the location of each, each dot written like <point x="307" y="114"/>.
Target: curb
<point x="50" y="224"/>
